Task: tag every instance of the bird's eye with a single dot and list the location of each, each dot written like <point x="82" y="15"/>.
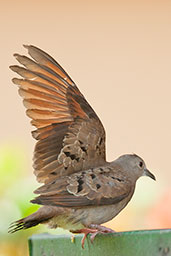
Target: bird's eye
<point x="141" y="164"/>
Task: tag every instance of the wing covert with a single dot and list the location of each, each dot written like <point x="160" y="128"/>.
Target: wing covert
<point x="97" y="186"/>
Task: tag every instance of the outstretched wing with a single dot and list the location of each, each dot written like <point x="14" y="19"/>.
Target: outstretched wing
<point x="69" y="133"/>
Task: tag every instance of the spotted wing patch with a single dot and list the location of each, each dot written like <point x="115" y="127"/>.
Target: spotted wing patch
<point x="97" y="186"/>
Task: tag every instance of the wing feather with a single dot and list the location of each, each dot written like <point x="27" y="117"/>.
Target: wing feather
<point x="98" y="186"/>
<point x="69" y="133"/>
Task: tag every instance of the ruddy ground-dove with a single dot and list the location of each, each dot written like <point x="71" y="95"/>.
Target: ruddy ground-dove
<point x="81" y="189"/>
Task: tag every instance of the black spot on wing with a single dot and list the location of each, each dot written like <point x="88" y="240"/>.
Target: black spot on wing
<point x="72" y="156"/>
<point x="120" y="180"/>
<point x="80" y="183"/>
<point x="53" y="173"/>
<point x="93" y="176"/>
<point x="98" y="186"/>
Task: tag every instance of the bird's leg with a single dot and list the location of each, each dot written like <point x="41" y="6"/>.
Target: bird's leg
<point x="85" y="231"/>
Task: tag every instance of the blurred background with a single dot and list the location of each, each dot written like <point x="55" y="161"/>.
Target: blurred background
<point x="118" y="53"/>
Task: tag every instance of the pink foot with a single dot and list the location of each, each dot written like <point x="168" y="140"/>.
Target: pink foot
<point x="93" y="230"/>
<point x="100" y="230"/>
<point x="84" y="231"/>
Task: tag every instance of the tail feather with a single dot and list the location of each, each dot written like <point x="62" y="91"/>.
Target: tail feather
<point x="41" y="216"/>
<point x="22" y="224"/>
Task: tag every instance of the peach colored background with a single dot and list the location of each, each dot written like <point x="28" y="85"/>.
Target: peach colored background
<point x="118" y="53"/>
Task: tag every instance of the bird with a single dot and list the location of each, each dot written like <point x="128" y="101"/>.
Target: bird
<point x="80" y="189"/>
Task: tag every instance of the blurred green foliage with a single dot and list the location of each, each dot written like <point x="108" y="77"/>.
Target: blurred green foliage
<point x="17" y="184"/>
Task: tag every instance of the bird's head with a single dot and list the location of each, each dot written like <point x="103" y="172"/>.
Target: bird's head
<point x="135" y="165"/>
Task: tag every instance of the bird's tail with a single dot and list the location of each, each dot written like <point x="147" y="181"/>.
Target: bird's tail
<point x="41" y="216"/>
<point x="22" y="224"/>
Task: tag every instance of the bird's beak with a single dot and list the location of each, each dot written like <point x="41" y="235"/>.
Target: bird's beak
<point x="149" y="174"/>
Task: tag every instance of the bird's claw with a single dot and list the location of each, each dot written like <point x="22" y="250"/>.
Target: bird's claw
<point x="93" y="230"/>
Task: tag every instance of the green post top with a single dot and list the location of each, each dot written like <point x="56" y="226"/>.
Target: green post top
<point x="132" y="243"/>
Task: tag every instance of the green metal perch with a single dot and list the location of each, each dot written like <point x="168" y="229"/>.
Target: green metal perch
<point x="132" y="243"/>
